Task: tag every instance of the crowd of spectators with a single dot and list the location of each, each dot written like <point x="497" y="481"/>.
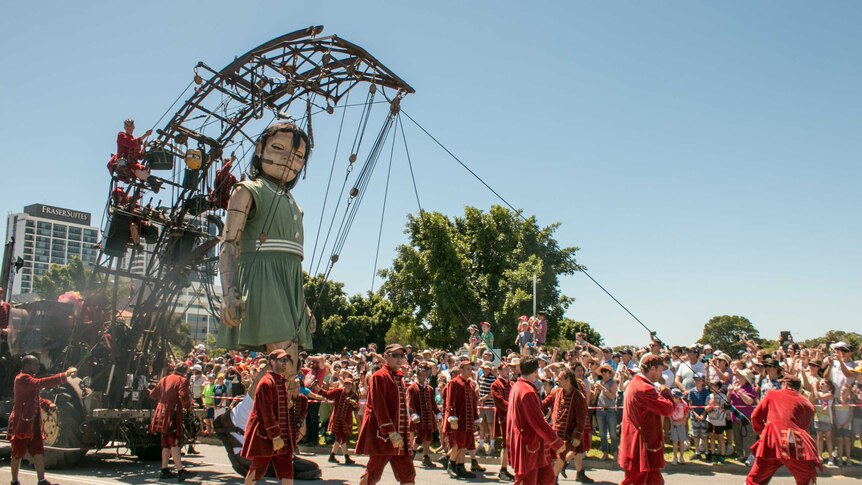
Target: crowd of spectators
<point x="714" y="392"/>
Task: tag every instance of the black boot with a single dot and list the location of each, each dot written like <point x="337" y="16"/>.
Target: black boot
<point x="583" y="478"/>
<point x="452" y="469"/>
<point x="505" y="476"/>
<point x="427" y="463"/>
<point x="183" y="474"/>
<point x="508" y="475"/>
<point x="476" y="467"/>
<point x="332" y="458"/>
<point x="167" y="473"/>
<point x="463" y="473"/>
<point x="348" y="461"/>
<point x="444" y="460"/>
<point x="43" y="482"/>
<point x="563" y="470"/>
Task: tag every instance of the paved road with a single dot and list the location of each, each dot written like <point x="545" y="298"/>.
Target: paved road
<point x="213" y="468"/>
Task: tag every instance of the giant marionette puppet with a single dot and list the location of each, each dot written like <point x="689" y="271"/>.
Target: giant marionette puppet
<point x="263" y="302"/>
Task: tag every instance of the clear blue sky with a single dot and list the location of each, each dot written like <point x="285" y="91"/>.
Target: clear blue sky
<point x="705" y="156"/>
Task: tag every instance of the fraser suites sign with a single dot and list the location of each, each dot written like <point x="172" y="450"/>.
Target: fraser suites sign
<point x="58" y="213"/>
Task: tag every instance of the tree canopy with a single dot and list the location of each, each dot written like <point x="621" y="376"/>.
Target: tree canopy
<point x="463" y="270"/>
<point x="60" y="279"/>
<point x="723" y="333"/>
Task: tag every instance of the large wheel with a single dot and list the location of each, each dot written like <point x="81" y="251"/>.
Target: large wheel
<point x="62" y="429"/>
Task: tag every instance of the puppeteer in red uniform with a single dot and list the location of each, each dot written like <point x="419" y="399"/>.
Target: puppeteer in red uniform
<point x="173" y="396"/>
<point x="25" y="421"/>
<point x="268" y="436"/>
<point x="530" y="440"/>
<point x="341" y="419"/>
<point x="297" y="415"/>
<point x="383" y="435"/>
<point x="568" y="414"/>
<point x="641" y="451"/>
<point x="461" y="403"/>
<point x="500" y="390"/>
<point x="423" y="413"/>
<point x="782" y="419"/>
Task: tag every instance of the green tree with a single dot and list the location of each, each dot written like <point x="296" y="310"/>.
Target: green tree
<point x="722" y="332"/>
<point x="60" y="279"/>
<point x="853" y="339"/>
<point x="477" y="267"/>
<point x="405" y="332"/>
<point x="568" y="328"/>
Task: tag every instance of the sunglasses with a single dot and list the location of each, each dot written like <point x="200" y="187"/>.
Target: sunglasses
<point x="396" y="356"/>
<point x="283" y="360"/>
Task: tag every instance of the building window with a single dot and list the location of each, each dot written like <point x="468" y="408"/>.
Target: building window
<point x="43" y="229"/>
<point x="74" y="233"/>
<point x="59" y="231"/>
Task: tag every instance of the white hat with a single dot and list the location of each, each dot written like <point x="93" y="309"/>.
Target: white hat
<point x="197" y="367"/>
<point x="201" y="347"/>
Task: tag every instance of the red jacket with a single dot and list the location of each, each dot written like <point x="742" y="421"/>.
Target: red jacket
<point x="568" y="413"/>
<point x="173" y="395"/>
<point x="385" y="412"/>
<point x="25" y="422"/>
<point x="297" y="414"/>
<point x="129" y="147"/>
<point x="500" y="390"/>
<point x="781" y="413"/>
<point x="268" y="419"/>
<point x="641" y="435"/>
<point x="421" y="401"/>
<point x="341" y="418"/>
<point x="461" y="403"/>
<point x="530" y="440"/>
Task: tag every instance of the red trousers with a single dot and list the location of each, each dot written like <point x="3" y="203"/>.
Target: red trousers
<point x="20" y="447"/>
<point x="402" y="468"/>
<point x="537" y="476"/>
<point x="461" y="439"/>
<point x="424" y="435"/>
<point x="651" y="477"/>
<point x="804" y="472"/>
<point x="283" y="466"/>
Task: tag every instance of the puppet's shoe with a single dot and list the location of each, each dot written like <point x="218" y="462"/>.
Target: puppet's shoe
<point x="476" y="467"/>
<point x="427" y="463"/>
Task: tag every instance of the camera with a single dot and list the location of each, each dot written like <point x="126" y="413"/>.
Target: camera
<point x="704" y="360"/>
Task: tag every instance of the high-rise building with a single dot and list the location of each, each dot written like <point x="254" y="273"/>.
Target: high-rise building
<point x="44" y="235"/>
<point x="193" y="307"/>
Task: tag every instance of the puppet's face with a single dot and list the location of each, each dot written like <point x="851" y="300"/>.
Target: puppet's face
<point x="129" y="127"/>
<point x="279" y="160"/>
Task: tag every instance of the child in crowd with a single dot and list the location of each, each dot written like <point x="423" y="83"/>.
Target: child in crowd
<point x="525" y="336"/>
<point x="678" y="421"/>
<point x="716" y="417"/>
<point x="697" y="399"/>
<point x="823" y="418"/>
<point x="842" y="424"/>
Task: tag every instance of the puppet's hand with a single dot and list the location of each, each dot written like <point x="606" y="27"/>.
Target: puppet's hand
<point x="232" y="308"/>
